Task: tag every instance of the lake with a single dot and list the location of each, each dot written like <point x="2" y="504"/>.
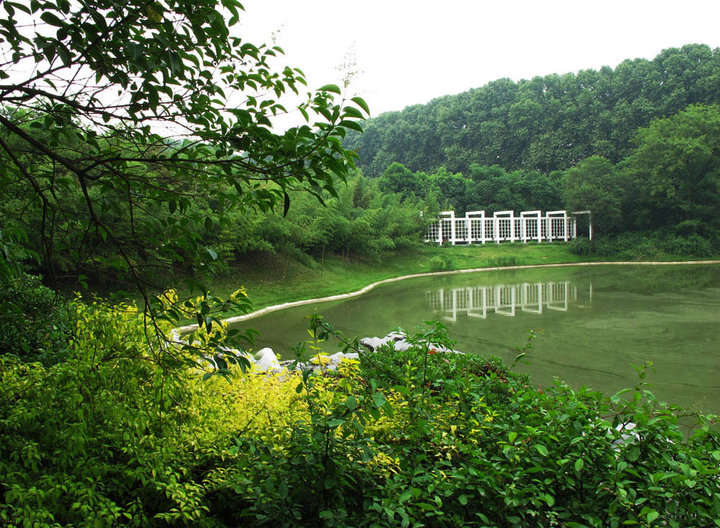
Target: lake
<point x="592" y="323"/>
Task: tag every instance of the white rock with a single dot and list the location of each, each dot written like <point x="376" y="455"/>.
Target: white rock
<point x="396" y="336"/>
<point x="626" y="434"/>
<point x="336" y="358"/>
<point x="373" y="343"/>
<point x="266" y="360"/>
<point x="402" y="346"/>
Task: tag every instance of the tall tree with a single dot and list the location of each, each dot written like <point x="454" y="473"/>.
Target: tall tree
<point x="594" y="184"/>
<point x="397" y="178"/>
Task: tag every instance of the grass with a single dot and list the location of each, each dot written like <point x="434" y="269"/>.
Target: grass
<point x="272" y="279"/>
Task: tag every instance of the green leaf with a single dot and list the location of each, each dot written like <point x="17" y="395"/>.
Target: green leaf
<point x="51" y="19"/>
<point x="334" y="88"/>
<point x="379" y="399"/>
<point x="579" y="465"/>
<point x="352" y="125"/>
<point x="361" y="103"/>
<point x="351" y="403"/>
<point x="541" y="449"/>
<point x="633" y="454"/>
<point x="350" y="111"/>
<point x="652" y="515"/>
<point x="286" y="204"/>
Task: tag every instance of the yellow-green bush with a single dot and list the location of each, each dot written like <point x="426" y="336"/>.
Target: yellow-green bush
<point x="121" y="431"/>
<point x="131" y="431"/>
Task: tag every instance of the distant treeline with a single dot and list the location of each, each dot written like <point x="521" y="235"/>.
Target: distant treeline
<point x="545" y="124"/>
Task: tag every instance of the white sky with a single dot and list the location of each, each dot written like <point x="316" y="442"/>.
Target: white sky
<point x="411" y="51"/>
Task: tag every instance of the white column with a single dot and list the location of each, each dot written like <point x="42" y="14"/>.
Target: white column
<point x="539" y="226"/>
<point x="452" y="228"/>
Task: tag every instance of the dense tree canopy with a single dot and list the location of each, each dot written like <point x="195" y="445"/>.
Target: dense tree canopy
<point x="123" y="124"/>
<point x="676" y="170"/>
<point x="545" y="123"/>
<point x="489" y="188"/>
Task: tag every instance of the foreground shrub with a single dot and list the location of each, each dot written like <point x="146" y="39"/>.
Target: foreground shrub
<point x="128" y="433"/>
<point x="124" y="431"/>
<point x="425" y="438"/>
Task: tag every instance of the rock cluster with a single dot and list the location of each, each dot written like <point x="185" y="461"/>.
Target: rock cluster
<point x="399" y="342"/>
<point x="265" y="360"/>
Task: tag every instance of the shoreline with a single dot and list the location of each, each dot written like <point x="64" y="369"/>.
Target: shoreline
<point x="365" y="289"/>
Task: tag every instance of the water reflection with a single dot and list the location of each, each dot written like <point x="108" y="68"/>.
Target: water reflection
<point x="507" y="299"/>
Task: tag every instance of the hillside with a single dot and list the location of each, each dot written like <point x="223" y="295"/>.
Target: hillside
<point x="546" y="123"/>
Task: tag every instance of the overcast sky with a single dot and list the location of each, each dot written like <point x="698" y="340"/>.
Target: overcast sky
<point x="411" y="51"/>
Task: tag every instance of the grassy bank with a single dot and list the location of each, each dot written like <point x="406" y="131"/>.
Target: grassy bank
<point x="271" y="278"/>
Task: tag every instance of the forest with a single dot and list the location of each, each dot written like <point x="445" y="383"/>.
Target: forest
<point x="128" y="166"/>
<point x="546" y="123"/>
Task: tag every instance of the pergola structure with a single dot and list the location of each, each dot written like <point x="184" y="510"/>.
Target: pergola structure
<point x="503" y="226"/>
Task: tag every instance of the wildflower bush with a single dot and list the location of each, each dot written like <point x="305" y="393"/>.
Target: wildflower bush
<point x="124" y="432"/>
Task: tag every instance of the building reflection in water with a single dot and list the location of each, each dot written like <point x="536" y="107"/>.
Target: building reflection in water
<point x="506" y="299"/>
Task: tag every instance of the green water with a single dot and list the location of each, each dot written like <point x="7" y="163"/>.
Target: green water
<point x="592" y="323"/>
